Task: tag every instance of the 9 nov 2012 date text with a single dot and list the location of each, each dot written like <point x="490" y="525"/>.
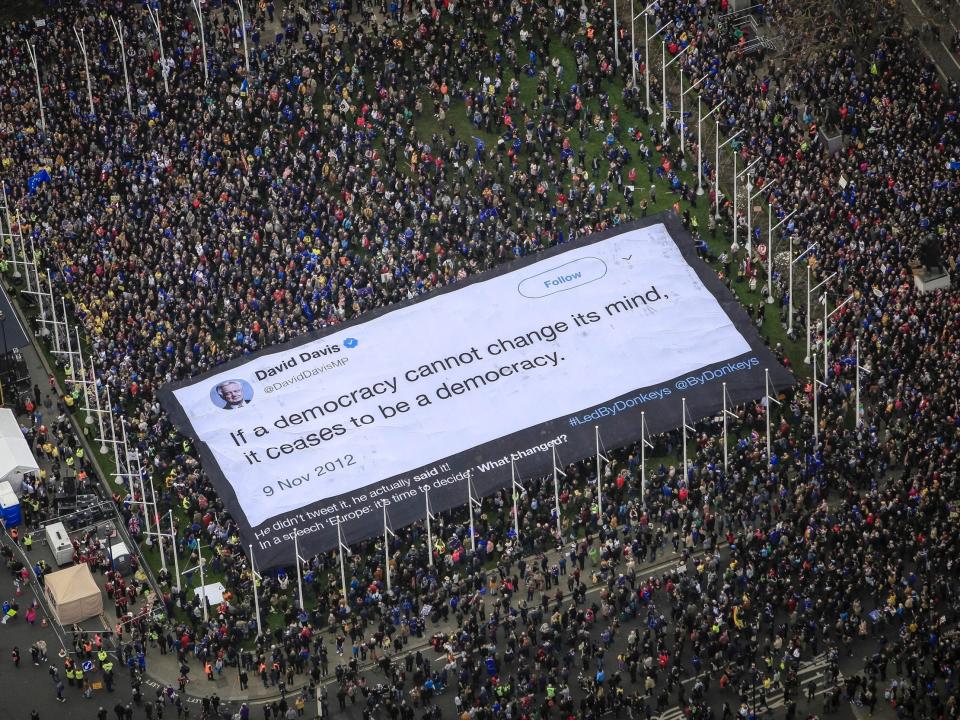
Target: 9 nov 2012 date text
<point x="319" y="471"/>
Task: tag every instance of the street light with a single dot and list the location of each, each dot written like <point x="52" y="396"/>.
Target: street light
<point x="118" y="29"/>
<point x="716" y="165"/>
<point x="36" y="71"/>
<point x="682" y="93"/>
<point x="700" y="120"/>
<point x="770" y="230"/>
<point x="203" y="40"/>
<point x="810" y="291"/>
<point x="750" y="198"/>
<point x="857" y="413"/>
<point x="153" y="9"/>
<point x="663" y="78"/>
<point x="790" y="295"/>
<point x="243" y="32"/>
<point x="616" y="35"/>
<point x="646" y="56"/>
<point x="816" y="418"/>
<point x="826" y="318"/>
<point x="633" y="43"/>
<point x="736" y="176"/>
<point x="82" y="42"/>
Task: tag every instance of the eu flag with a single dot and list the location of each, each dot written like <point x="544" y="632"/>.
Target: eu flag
<point x="37" y="179"/>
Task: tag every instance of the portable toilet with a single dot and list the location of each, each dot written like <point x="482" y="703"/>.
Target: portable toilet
<point x="9" y="506"/>
<point x="121" y="557"/>
<point x="58" y="540"/>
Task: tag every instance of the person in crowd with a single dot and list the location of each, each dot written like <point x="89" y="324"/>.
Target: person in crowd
<point x="378" y="151"/>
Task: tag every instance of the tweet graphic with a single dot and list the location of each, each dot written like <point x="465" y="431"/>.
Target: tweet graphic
<point x="508" y="365"/>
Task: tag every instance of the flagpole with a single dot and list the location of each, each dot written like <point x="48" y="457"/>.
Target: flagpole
<point x="810" y="291"/>
<point x="118" y="29"/>
<point x="88" y="420"/>
<point x="556" y="493"/>
<point x="426" y="497"/>
<point x="253" y="577"/>
<point x="36" y="71"/>
<point x="616" y="36"/>
<point x="33" y="255"/>
<point x="154" y="13"/>
<point x="156" y="521"/>
<point x="725" y="443"/>
<point x="173" y="542"/>
<point x="386" y="550"/>
<point x="53" y="312"/>
<point x="513" y="491"/>
<point x="243" y="31"/>
<point x="203" y="40"/>
<point x="766" y="393"/>
<point x="644" y="444"/>
<point x="203" y="583"/>
<point x="856" y="411"/>
<point x="596" y="429"/>
<point x="81" y="40"/>
<point x="816" y="426"/>
<point x="296" y="557"/>
<point x="473" y="534"/>
<point x="343" y="567"/>
<point x="826" y="340"/>
<point x="99" y="408"/>
<point x="66" y="338"/>
<point x="683" y="402"/>
<point x="769" y="411"/>
<point x="143" y="489"/>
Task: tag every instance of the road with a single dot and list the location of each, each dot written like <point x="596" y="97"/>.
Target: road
<point x="918" y="12"/>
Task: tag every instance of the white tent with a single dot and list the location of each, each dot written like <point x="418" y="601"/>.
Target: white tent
<point x="16" y="459"/>
<point x="73" y="594"/>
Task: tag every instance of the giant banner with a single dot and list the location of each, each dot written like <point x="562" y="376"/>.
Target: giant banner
<point x="358" y="422"/>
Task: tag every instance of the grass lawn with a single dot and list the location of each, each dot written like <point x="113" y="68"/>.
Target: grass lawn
<point x="465" y="130"/>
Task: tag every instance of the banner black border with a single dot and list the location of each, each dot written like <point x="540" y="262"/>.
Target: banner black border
<point x="737" y="314"/>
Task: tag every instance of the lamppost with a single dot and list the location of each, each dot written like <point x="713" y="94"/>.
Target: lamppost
<point x="153" y="9"/>
<point x="736" y="176"/>
<point x="663" y="75"/>
<point x="793" y="261"/>
<point x="118" y="29"/>
<point x="700" y="119"/>
<point x="770" y="230"/>
<point x="682" y="93"/>
<point x="616" y="35"/>
<point x="633" y="43"/>
<point x="750" y="198"/>
<point x="82" y="42"/>
<point x="646" y="56"/>
<point x="243" y="32"/>
<point x="203" y="40"/>
<point x="810" y="291"/>
<point x="826" y="344"/>
<point x="36" y="71"/>
<point x="716" y="165"/>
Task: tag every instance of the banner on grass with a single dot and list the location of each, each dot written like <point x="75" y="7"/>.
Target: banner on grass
<point x="332" y="427"/>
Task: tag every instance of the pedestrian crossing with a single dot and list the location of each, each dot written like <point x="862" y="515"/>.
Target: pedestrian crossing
<point x="816" y="669"/>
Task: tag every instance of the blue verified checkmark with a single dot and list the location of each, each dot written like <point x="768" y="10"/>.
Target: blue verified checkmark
<point x="350" y="343"/>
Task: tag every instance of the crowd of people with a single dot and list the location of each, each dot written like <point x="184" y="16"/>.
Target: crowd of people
<point x="378" y="151"/>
